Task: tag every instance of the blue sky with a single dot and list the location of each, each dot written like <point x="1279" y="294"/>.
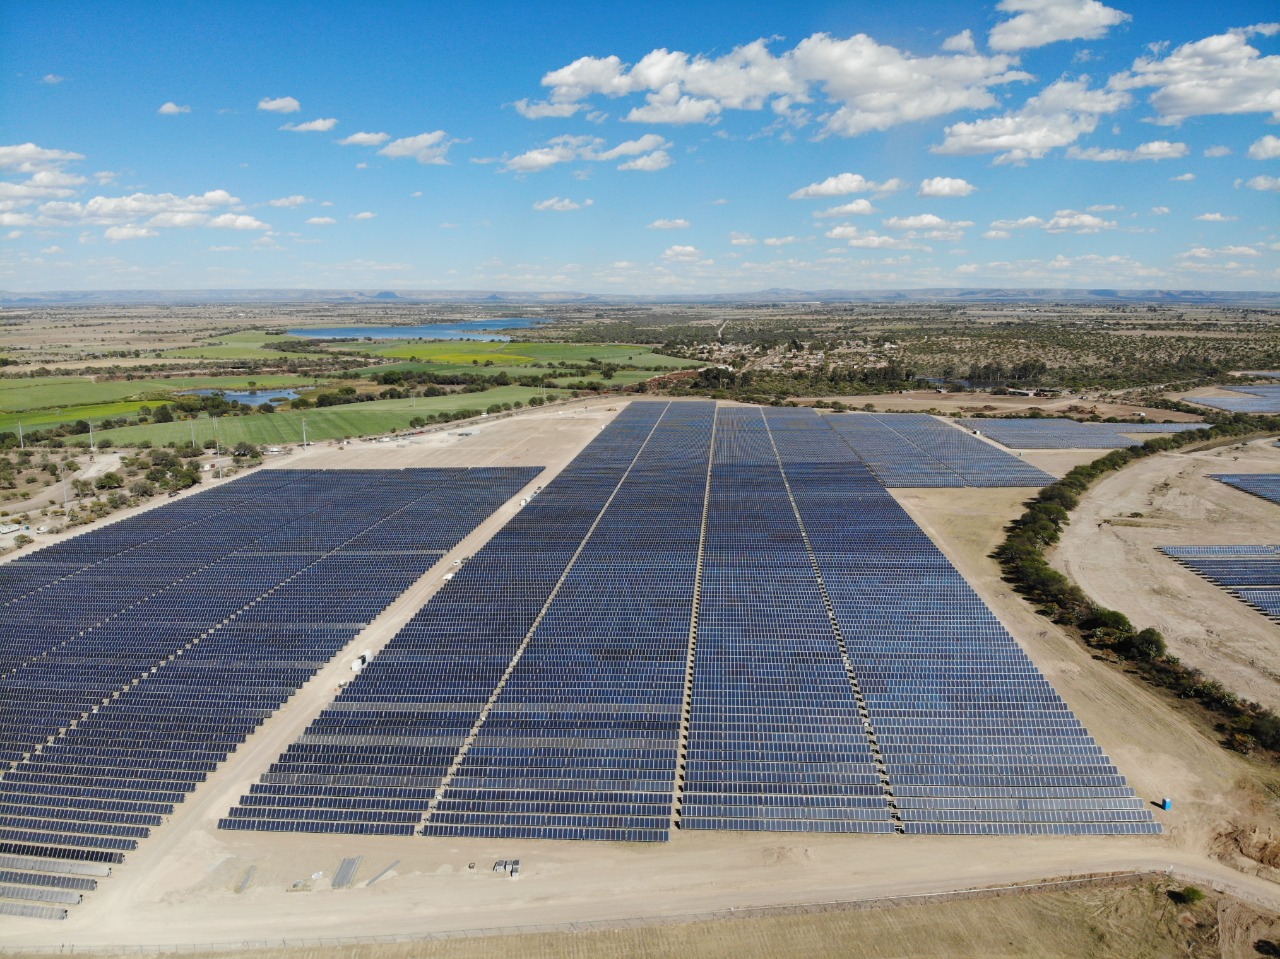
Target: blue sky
<point x="673" y="147"/>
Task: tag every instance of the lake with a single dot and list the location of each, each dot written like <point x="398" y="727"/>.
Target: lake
<point x="253" y="398"/>
<point x="466" y="330"/>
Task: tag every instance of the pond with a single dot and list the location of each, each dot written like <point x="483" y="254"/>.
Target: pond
<point x="464" y="330"/>
<point x="251" y="397"/>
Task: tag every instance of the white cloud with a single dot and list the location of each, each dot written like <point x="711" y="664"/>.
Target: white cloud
<point x="865" y="85"/>
<point x="682" y="254"/>
<point x="1204" y="253"/>
<point x="128" y="232"/>
<point x="52" y="79"/>
<point x="296" y="200"/>
<point x="923" y="221"/>
<point x="1039" y="22"/>
<point x="1219" y="74"/>
<point x="1216" y="218"/>
<point x="742" y="239"/>
<point x="842" y="184"/>
<point x="366" y="215"/>
<point x="1217" y="151"/>
<point x="541" y="110"/>
<point x="312" y="126"/>
<point x="237" y="221"/>
<point x="121" y="209"/>
<point x="962" y="42"/>
<point x="365" y="139"/>
<point x="649" y="152"/>
<point x="426" y="148"/>
<point x="1269" y="183"/>
<point x="669" y="225"/>
<point x="858" y="207"/>
<point x="780" y="240"/>
<point x="29" y="158"/>
<point x="1019" y="224"/>
<point x="17" y="219"/>
<point x="1055" y="117"/>
<point x="869" y="239"/>
<point x="178" y="219"/>
<point x="1071" y="221"/>
<point x="1268" y="148"/>
<point x="1182" y="178"/>
<point x="649" y="163"/>
<point x="321" y="221"/>
<point x="47" y="184"/>
<point x="946" y="186"/>
<point x="52" y="250"/>
<point x="997" y="235"/>
<point x="172" y="109"/>
<point x="561" y="204"/>
<point x="1102" y="208"/>
<point x="1155" y="150"/>
<point x="1159" y="210"/>
<point x="279" y="105"/>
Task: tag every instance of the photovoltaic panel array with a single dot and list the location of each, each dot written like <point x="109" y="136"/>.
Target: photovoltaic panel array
<point x="1265" y="485"/>
<point x="970" y="735"/>
<point x="776" y="738"/>
<point x="393" y="753"/>
<point x="1065" y="434"/>
<point x="1253" y="399"/>
<point x="917" y="450"/>
<point x="581" y="741"/>
<point x="1250" y="573"/>
<point x="164" y="640"/>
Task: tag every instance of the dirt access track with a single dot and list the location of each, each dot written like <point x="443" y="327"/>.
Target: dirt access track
<point x="1110" y="551"/>
<point x="193" y="884"/>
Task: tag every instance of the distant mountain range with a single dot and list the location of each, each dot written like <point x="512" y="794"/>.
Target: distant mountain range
<point x="1255" y="298"/>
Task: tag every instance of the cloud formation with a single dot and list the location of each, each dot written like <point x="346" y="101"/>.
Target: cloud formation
<point x="1155" y="150"/>
<point x="669" y="225"/>
<point x="312" y="126"/>
<point x="1040" y="22"/>
<point x="843" y="184"/>
<point x="648" y="153"/>
<point x="857" y="84"/>
<point x="946" y="186"/>
<point x="1267" y="148"/>
<point x="279" y="105"/>
<point x="427" y="148"/>
<point x="170" y="109"/>
<point x="561" y="204"/>
<point x="365" y="139"/>
<point x="1219" y="74"/>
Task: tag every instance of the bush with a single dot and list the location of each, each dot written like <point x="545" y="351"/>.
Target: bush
<point x="1187" y="895"/>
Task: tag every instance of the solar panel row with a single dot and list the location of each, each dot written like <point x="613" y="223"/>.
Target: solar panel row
<point x="409" y="723"/>
<point x="1250" y="573"/>
<point x="917" y="450"/>
<point x="1264" y="485"/>
<point x="110" y="717"/>
<point x="1253" y="399"/>
<point x="1061" y="434"/>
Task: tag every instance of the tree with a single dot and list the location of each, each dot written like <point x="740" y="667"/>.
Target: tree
<point x="21" y="540"/>
<point x="109" y="481"/>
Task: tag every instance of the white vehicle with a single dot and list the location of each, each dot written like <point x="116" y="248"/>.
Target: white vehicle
<point x="9" y="528"/>
<point x="42" y="529"/>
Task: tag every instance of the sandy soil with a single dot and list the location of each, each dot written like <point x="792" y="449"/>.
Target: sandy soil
<point x="181" y="885"/>
<point x="1168" y="500"/>
<point x="1130" y="922"/>
<point x="919" y="401"/>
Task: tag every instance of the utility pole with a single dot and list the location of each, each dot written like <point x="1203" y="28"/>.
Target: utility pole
<point x="304" y="432"/>
<point x="21" y="443"/>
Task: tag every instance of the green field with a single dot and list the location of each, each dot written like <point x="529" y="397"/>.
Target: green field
<point x="42" y="419"/>
<point x="54" y="392"/>
<point x="331" y="422"/>
<point x="241" y="345"/>
<point x="458" y="353"/>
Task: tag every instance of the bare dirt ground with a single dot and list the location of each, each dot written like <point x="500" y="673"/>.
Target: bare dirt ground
<point x="182" y="885"/>
<point x="1129" y="922"/>
<point x="1110" y="550"/>
<point x="920" y="401"/>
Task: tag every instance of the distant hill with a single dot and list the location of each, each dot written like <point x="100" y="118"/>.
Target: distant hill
<point x="1255" y="298"/>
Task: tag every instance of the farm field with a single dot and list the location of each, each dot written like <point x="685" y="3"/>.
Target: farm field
<point x="518" y="353"/>
<point x="324" y="423"/>
<point x="37" y="393"/>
